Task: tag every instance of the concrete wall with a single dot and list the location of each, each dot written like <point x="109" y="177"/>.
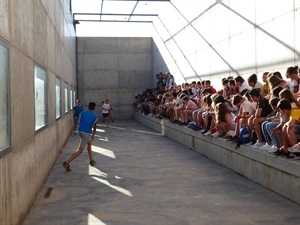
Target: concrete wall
<point x="274" y="172"/>
<point x="36" y="32"/>
<point x="115" y="68"/>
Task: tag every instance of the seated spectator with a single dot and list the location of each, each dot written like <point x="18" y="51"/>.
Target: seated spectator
<point x="159" y="83"/>
<point x="178" y="107"/>
<point x="208" y="85"/>
<point x="233" y="88"/>
<point x="245" y="93"/>
<point x="203" y="120"/>
<point x="263" y="110"/>
<point x="220" y="99"/>
<point x="265" y="87"/>
<point x="162" y="107"/>
<point x="241" y="83"/>
<point x="275" y="81"/>
<point x="291" y="127"/>
<point x="202" y="107"/>
<point x="293" y="79"/>
<point x="173" y="102"/>
<point x="170" y="80"/>
<point x="226" y="89"/>
<point x="187" y="87"/>
<point x="223" y="120"/>
<point x="198" y="96"/>
<point x="199" y="85"/>
<point x="275" y="92"/>
<point x="209" y="117"/>
<point x="189" y="106"/>
<point x="272" y="139"/>
<point x="178" y="88"/>
<point x="246" y="110"/>
<point x="154" y="105"/>
<point x="193" y="87"/>
<point x="206" y="91"/>
<point x="278" y="74"/>
<point x="254" y="83"/>
<point x="287" y="94"/>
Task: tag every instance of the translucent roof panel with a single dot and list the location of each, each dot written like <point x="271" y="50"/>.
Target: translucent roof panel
<point x="170" y="15"/>
<point x="121" y="7"/>
<point x="87" y="6"/>
<point x="118" y="10"/>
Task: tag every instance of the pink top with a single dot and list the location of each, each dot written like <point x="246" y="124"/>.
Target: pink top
<point x="191" y="105"/>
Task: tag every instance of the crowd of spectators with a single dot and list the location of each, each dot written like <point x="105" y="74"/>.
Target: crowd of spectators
<point x="263" y="115"/>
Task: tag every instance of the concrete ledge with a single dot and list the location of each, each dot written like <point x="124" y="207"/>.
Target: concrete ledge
<point x="274" y="172"/>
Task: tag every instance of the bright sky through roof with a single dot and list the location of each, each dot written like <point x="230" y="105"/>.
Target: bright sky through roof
<point x="121" y="29"/>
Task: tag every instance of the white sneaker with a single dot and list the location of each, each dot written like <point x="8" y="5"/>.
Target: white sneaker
<point x="257" y="145"/>
<point x="265" y="147"/>
<point x="272" y="149"/>
<point x="202" y="130"/>
<point x="207" y="133"/>
<point x="216" y="134"/>
<point x="295" y="148"/>
<point x="230" y="133"/>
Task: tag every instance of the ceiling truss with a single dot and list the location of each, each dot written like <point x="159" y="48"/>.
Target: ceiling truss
<point x="117" y="17"/>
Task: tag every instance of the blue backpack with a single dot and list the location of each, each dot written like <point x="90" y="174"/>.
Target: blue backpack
<point x="193" y="126"/>
<point x="244" y="135"/>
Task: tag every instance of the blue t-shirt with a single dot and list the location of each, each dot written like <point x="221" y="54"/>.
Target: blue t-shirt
<point x="87" y="120"/>
<point x="78" y="109"/>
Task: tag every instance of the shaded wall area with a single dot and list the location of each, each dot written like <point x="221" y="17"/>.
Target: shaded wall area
<point x="35" y="32"/>
<point x="115" y="68"/>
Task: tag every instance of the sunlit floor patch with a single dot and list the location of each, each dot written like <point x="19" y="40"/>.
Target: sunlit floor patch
<point x="104" y="151"/>
<point x="92" y="220"/>
<point x="100" y="130"/>
<point x="119" y="189"/>
<point x="94" y="171"/>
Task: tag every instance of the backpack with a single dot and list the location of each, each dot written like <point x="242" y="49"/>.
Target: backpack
<point x="193" y="126"/>
<point x="244" y="135"/>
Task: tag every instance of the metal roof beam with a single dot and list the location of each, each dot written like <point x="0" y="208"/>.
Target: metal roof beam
<point x="112" y="14"/>
<point x="139" y="0"/>
<point x="121" y="21"/>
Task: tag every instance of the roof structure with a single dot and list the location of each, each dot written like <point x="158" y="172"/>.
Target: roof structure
<point x="142" y="11"/>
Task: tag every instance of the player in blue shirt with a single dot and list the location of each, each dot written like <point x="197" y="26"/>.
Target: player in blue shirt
<point x="86" y="131"/>
<point x="77" y="109"/>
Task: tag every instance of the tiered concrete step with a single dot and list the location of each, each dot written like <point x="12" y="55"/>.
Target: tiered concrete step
<point x="277" y="173"/>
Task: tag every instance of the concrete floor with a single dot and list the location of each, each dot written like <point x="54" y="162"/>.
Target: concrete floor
<point x="143" y="178"/>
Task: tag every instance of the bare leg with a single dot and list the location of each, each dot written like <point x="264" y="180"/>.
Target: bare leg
<point x="89" y="149"/>
<point x="292" y="136"/>
<point x="200" y="120"/>
<point x="110" y="118"/>
<point x="257" y="128"/>
<point x="75" y="125"/>
<point x="75" y="155"/>
<point x="285" y="141"/>
<point x="194" y="116"/>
